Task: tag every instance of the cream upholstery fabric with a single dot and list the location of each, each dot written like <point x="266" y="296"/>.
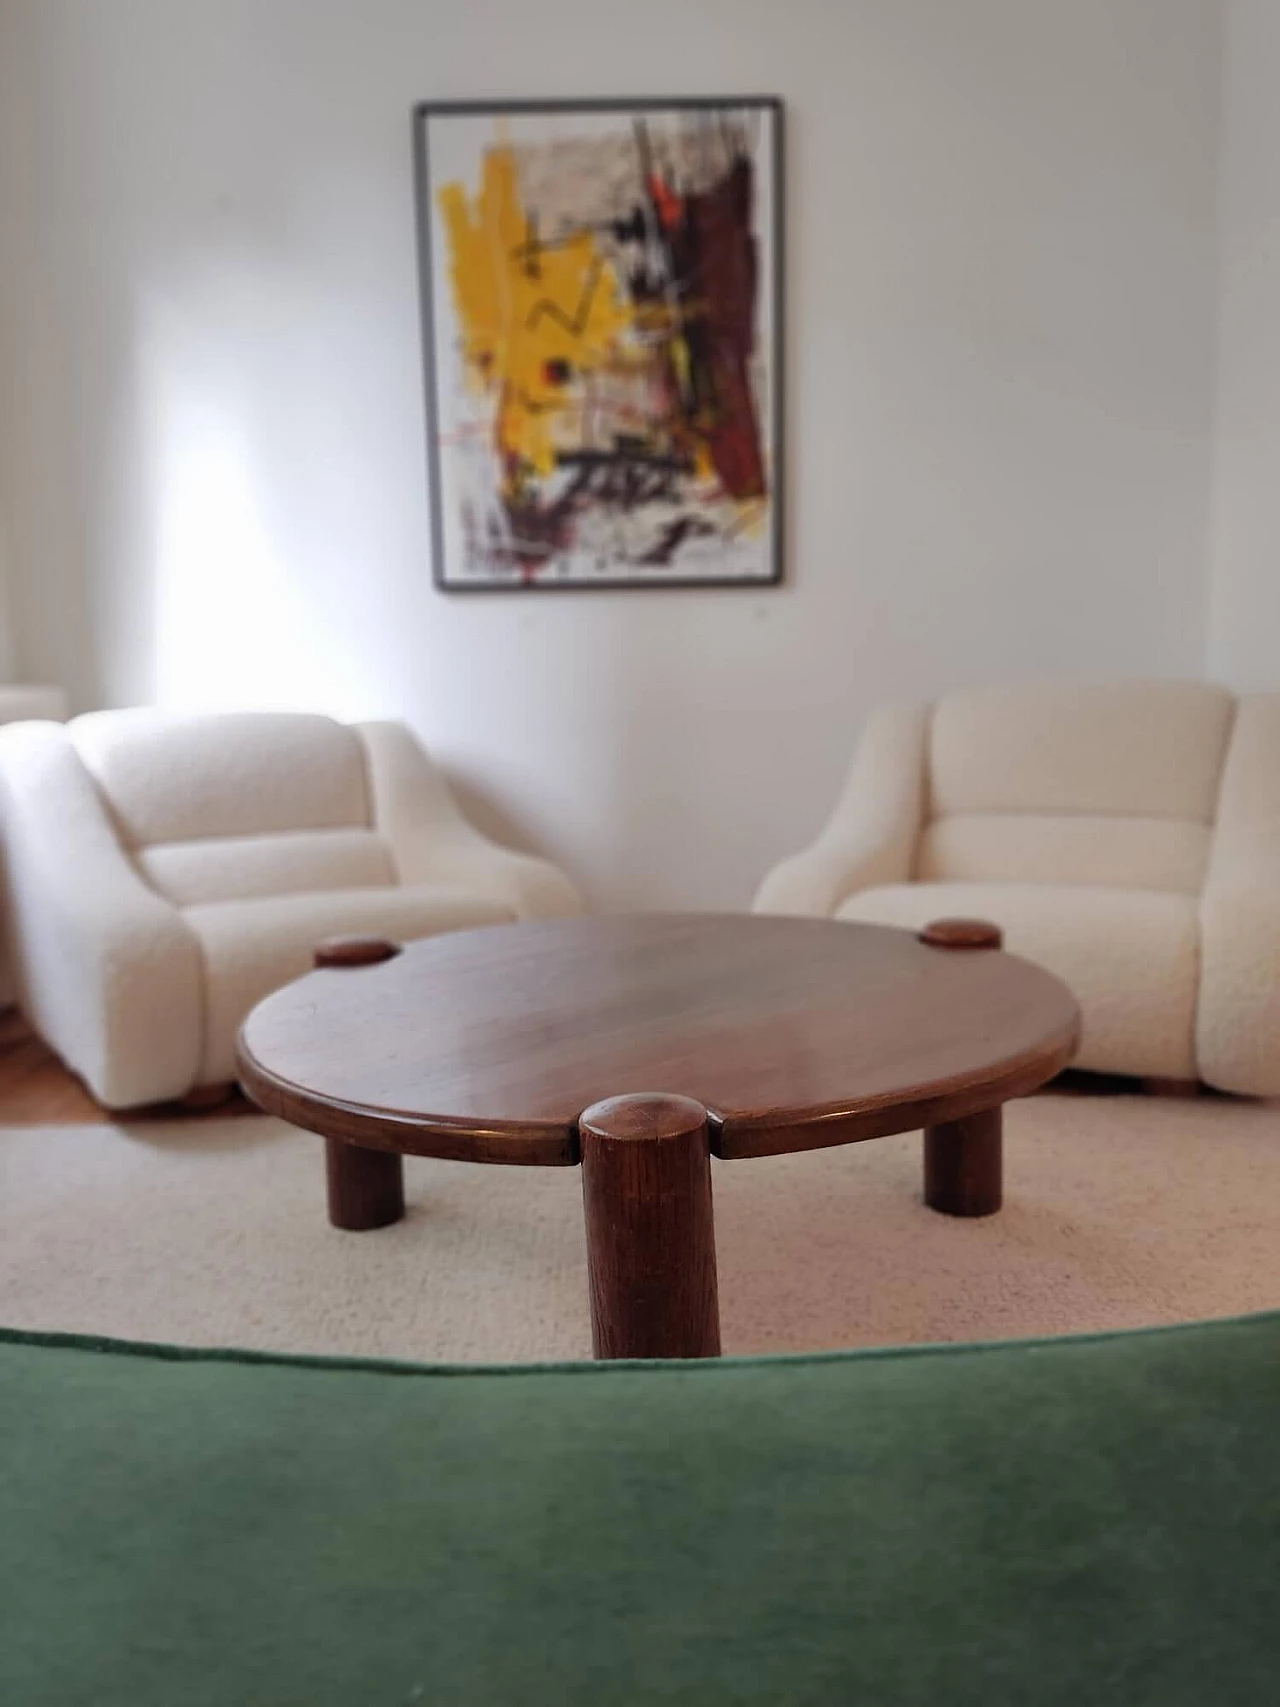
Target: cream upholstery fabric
<point x="431" y="841"/>
<point x="108" y="972"/>
<point x="165" y="872"/>
<point x="1052" y="782"/>
<point x="1014" y="847"/>
<point x="243" y="868"/>
<point x="1131" y="957"/>
<point x="872" y="834"/>
<point x="1125" y="834"/>
<point x="1125" y="748"/>
<point x="185" y="779"/>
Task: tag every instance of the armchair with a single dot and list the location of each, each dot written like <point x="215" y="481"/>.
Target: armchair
<point x="164" y="873"/>
<point x="1125" y="835"/>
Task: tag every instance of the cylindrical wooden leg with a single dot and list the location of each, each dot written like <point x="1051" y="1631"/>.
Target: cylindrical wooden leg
<point x="366" y="1187"/>
<point x="963" y="1166"/>
<point x="651" y="1252"/>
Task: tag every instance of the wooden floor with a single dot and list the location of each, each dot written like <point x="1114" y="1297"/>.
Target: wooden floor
<point x="37" y="1090"/>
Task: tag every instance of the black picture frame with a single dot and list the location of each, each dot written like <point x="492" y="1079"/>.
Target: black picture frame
<point x="427" y="113"/>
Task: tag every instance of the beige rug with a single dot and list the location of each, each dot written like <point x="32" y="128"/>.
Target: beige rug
<point x="1119" y="1211"/>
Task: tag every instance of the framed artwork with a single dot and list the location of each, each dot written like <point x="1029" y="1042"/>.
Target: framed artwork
<point x="602" y="315"/>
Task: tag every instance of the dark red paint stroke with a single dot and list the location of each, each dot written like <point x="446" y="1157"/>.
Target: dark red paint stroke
<point x="723" y="274"/>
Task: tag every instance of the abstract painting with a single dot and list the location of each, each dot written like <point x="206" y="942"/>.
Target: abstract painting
<point x="601" y="287"/>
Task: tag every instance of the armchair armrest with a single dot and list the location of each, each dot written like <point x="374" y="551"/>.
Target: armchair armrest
<point x="432" y="842"/>
<point x="1238" y="1015"/>
<point x="871" y="836"/>
<point x="108" y="971"/>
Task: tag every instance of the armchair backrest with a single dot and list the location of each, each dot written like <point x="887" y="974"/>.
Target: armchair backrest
<point x="1072" y="782"/>
<point x="235" y="806"/>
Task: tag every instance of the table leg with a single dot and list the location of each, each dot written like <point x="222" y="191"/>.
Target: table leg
<point x="651" y="1254"/>
<point x="963" y="1165"/>
<point x="366" y="1187"/>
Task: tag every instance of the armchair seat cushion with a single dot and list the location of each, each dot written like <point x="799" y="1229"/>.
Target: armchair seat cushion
<point x="251" y="947"/>
<point x="1131" y="957"/>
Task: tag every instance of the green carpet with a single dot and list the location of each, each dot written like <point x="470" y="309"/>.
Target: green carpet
<point x="1076" y="1522"/>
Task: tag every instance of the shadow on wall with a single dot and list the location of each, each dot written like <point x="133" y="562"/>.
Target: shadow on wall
<point x="490" y="815"/>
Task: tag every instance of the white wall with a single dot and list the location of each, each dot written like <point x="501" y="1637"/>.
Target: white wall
<point x="1002" y="273"/>
<point x="1244" y="628"/>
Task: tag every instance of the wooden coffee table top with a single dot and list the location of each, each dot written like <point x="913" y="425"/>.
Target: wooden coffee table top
<point x="487" y="1045"/>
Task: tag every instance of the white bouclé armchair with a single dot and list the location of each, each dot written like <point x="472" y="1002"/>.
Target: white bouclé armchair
<point x="163" y="873"/>
<point x="1125" y="835"/>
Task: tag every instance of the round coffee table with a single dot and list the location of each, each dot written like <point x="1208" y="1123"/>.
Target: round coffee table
<point x="638" y="1047"/>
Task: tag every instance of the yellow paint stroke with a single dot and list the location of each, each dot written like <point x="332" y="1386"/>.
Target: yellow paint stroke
<point x="533" y="318"/>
